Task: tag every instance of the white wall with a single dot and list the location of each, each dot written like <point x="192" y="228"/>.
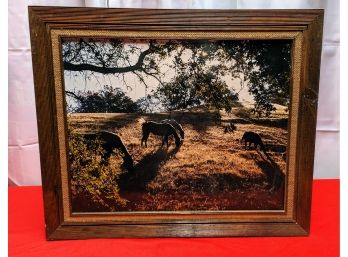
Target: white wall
<point x="24" y="166"/>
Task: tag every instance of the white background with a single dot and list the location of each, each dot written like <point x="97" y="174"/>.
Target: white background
<point x="23" y="153"/>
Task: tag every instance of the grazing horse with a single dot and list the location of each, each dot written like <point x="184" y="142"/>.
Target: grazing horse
<point x="230" y="127"/>
<point x="109" y="142"/>
<point x="253" y="138"/>
<point x="159" y="129"/>
<point x="176" y="125"/>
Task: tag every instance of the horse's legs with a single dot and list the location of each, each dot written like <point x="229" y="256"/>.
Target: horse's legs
<point x="165" y="140"/>
<point x="144" y="139"/>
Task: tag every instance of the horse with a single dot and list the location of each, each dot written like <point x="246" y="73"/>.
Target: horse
<point x="176" y="125"/>
<point x="159" y="129"/>
<point x="109" y="142"/>
<point x="230" y="127"/>
<point x="253" y="138"/>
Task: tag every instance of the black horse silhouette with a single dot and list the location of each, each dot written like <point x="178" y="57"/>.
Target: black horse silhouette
<point x="253" y="138"/>
<point x="176" y="125"/>
<point x="159" y="129"/>
<point x="109" y="142"/>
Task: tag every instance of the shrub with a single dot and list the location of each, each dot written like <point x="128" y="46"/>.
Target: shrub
<point x="106" y="100"/>
<point x="90" y="176"/>
<point x="243" y="112"/>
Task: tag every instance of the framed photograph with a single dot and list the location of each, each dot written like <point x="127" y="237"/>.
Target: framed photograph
<point x="176" y="123"/>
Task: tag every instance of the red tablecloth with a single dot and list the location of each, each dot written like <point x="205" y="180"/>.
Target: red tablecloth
<point x="26" y="234"/>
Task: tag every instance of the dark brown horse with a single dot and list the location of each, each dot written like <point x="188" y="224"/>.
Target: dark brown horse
<point x="109" y="142"/>
<point x="253" y="138"/>
<point x="176" y="125"/>
<point x="160" y="129"/>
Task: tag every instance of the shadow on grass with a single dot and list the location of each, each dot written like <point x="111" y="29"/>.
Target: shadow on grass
<point x="273" y="123"/>
<point x="213" y="183"/>
<point x="114" y="121"/>
<point x="199" y="121"/>
<point x="277" y="148"/>
<point x="145" y="170"/>
<point x="271" y="169"/>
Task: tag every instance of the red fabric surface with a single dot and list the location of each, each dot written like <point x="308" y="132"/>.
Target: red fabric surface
<point x="27" y="235"/>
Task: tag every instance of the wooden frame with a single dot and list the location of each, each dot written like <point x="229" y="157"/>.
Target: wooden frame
<point x="304" y="27"/>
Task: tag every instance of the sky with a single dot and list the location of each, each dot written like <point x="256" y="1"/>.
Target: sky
<point x="135" y="89"/>
<point x="130" y="84"/>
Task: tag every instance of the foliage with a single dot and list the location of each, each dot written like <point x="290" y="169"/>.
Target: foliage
<point x="264" y="67"/>
<point x="90" y="176"/>
<point x="108" y="99"/>
<point x="181" y="93"/>
<point x="263" y="98"/>
<point x="275" y="66"/>
<point x="198" y="81"/>
<point x="199" y="68"/>
<point x="147" y="104"/>
<point x="244" y="113"/>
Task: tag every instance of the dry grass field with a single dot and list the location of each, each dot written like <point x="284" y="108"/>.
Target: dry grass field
<point x="210" y="171"/>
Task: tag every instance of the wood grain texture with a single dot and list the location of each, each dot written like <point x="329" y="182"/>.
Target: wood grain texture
<point x="45" y="111"/>
<point x="44" y="19"/>
<point x="308" y="118"/>
<point x="172" y="17"/>
<point x="178" y="230"/>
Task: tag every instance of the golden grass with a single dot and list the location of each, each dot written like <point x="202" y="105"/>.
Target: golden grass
<point x="210" y="171"/>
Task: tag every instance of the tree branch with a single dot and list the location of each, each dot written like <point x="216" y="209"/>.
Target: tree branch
<point x="109" y="70"/>
<point x="72" y="94"/>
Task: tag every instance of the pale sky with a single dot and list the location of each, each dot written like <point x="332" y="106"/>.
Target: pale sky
<point x="135" y="89"/>
<point x="86" y="81"/>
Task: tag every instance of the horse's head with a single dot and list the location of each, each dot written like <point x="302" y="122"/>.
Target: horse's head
<point x="178" y="142"/>
<point x="128" y="163"/>
<point x="182" y="134"/>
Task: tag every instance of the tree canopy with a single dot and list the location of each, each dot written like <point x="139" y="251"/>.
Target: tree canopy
<point x="198" y="71"/>
<point x="107" y="99"/>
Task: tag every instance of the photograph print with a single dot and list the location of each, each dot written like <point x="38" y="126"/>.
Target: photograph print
<point x="176" y="125"/>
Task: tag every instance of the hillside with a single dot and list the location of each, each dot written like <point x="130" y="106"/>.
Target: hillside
<point x="210" y="171"/>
